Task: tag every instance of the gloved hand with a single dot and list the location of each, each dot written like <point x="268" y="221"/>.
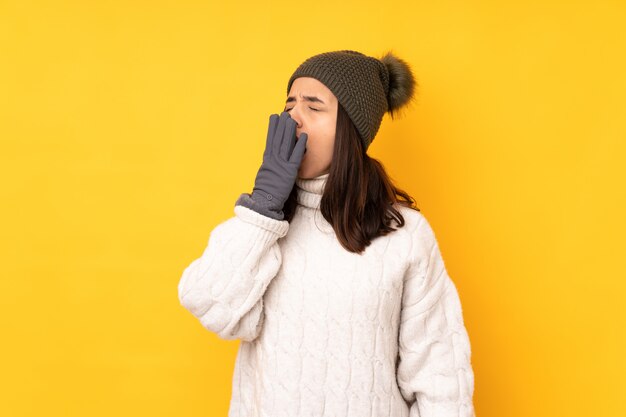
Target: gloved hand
<point x="277" y="175"/>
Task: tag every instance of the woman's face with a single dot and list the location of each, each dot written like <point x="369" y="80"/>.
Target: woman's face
<point x="314" y="108"/>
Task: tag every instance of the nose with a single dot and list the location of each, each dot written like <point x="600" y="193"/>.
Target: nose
<point x="293" y="113"/>
<point x="295" y="116"/>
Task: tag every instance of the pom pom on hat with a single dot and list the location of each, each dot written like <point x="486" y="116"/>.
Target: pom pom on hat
<point x="402" y="84"/>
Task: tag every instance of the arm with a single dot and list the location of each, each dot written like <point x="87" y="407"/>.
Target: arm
<point x="434" y="371"/>
<point x="224" y="287"/>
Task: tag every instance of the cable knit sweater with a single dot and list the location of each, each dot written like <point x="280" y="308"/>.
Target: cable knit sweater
<point x="326" y="332"/>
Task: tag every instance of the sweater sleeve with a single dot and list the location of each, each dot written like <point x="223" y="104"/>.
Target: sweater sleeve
<point x="434" y="370"/>
<point x="224" y="287"/>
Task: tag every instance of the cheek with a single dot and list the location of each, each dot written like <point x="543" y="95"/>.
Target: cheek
<point x="321" y="137"/>
<point x="327" y="133"/>
<point x="330" y="136"/>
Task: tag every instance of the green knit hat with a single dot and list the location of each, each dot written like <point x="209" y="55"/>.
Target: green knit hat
<point x="365" y="86"/>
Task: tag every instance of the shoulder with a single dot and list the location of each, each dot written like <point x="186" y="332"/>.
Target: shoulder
<point x="414" y="220"/>
<point x="420" y="233"/>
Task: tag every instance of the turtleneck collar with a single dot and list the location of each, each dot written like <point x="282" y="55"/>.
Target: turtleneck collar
<point x="310" y="190"/>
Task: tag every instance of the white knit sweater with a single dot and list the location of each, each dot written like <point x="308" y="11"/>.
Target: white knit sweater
<point x="326" y="332"/>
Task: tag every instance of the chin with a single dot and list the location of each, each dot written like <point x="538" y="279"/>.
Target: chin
<point x="303" y="172"/>
<point x="309" y="173"/>
<point x="306" y="172"/>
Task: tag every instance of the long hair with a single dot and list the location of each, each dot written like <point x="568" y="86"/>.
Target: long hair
<point x="359" y="197"/>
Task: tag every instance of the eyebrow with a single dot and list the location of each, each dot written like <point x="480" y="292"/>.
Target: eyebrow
<point x="306" y="98"/>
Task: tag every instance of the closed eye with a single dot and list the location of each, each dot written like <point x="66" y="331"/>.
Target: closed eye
<point x="309" y="108"/>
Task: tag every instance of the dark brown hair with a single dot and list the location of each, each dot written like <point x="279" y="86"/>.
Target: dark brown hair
<point x="359" y="197"/>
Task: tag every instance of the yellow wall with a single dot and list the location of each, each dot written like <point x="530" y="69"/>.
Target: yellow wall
<point x="128" y="129"/>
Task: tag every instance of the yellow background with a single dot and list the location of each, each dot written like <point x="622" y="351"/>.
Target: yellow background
<point x="129" y="128"/>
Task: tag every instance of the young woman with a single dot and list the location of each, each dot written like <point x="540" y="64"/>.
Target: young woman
<point x="338" y="312"/>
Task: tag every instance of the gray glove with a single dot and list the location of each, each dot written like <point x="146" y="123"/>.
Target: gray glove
<point x="278" y="172"/>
